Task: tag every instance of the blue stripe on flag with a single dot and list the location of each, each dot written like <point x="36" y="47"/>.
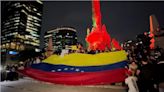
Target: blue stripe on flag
<point x="66" y="68"/>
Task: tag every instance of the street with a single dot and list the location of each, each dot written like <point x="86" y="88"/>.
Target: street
<point x="30" y="85"/>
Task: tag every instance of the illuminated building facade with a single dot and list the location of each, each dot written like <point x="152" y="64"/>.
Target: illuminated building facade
<point x="21" y="25"/>
<point x="62" y="38"/>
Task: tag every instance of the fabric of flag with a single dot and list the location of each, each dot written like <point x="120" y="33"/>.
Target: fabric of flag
<point x="77" y="78"/>
<point x="80" y="59"/>
<point x="93" y="73"/>
<point x="66" y="68"/>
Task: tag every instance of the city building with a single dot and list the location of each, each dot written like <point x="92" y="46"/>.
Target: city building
<point x="159" y="38"/>
<point x="156" y="33"/>
<point x="21" y="25"/>
<point x="62" y="38"/>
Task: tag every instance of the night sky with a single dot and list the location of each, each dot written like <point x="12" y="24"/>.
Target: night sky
<point x="124" y="20"/>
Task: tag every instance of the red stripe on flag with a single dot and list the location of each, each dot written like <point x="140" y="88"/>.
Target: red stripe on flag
<point x="84" y="78"/>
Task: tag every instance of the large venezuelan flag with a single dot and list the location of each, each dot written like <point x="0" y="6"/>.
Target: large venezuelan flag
<point x="103" y="68"/>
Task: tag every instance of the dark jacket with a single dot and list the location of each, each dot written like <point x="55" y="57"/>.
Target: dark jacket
<point x="147" y="72"/>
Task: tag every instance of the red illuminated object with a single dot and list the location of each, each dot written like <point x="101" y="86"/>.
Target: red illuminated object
<point x="99" y="39"/>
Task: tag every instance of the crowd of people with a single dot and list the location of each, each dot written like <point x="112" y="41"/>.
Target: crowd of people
<point x="145" y="69"/>
<point x="10" y="71"/>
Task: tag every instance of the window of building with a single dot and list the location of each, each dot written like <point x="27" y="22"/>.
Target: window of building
<point x="24" y="12"/>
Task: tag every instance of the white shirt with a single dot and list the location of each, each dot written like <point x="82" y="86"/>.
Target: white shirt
<point x="131" y="82"/>
<point x="38" y="60"/>
<point x="64" y="52"/>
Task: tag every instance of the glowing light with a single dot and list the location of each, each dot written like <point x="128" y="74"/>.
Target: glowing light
<point x="98" y="39"/>
<point x="152" y="45"/>
<point x="13" y="52"/>
<point x="115" y="44"/>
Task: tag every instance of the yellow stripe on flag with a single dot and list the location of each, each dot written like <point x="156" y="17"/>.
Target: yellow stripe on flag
<point x="80" y="59"/>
